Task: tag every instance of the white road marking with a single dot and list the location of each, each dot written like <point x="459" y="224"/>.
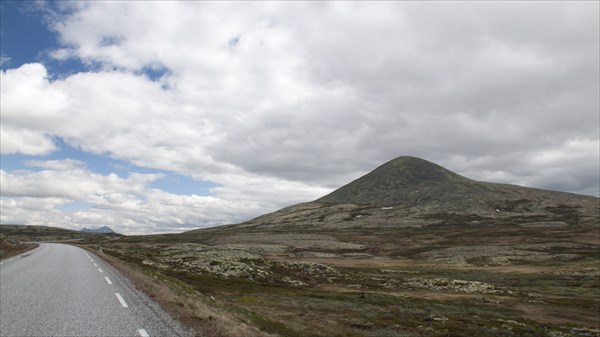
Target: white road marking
<point x="143" y="333"/>
<point x="107" y="280"/>
<point x="95" y="265"/>
<point x="121" y="300"/>
<point x="6" y="261"/>
<point x="91" y="260"/>
<point x="100" y="270"/>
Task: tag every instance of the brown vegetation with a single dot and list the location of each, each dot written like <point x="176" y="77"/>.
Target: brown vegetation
<point x="201" y="314"/>
<point x="12" y="246"/>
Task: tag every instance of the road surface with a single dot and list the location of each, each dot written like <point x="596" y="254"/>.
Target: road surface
<point x="62" y="290"/>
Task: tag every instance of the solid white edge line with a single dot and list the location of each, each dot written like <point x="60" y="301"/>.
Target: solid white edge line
<point x="143" y="333"/>
<point x="107" y="280"/>
<point x="100" y="270"/>
<point x="121" y="300"/>
<point x="6" y="261"/>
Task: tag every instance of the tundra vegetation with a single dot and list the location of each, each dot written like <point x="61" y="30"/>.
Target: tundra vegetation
<point x="427" y="253"/>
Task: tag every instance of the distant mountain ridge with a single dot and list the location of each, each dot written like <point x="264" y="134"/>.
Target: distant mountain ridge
<point x="103" y="229"/>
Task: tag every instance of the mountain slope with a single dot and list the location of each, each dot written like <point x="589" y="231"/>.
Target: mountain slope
<point x="404" y="180"/>
<point x="410" y="181"/>
<point x="412" y="192"/>
<point x="103" y="229"/>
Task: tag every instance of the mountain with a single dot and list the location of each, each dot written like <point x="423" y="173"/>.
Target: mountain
<point x="410" y="181"/>
<point x="410" y="191"/>
<point x="103" y="229"/>
<point x="404" y="180"/>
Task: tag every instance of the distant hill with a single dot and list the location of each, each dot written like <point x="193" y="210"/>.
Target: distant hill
<point x="45" y="233"/>
<point x="103" y="229"/>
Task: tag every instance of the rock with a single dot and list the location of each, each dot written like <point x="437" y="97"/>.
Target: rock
<point x="434" y="318"/>
<point x="584" y="332"/>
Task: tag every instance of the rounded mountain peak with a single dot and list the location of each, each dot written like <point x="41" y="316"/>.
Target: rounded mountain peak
<point x="404" y="180"/>
<point x="413" y="170"/>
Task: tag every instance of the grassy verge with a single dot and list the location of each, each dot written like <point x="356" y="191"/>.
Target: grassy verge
<point x="203" y="315"/>
<point x="10" y="246"/>
<point x="359" y="301"/>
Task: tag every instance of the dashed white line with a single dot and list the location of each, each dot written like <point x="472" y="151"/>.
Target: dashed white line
<point x="143" y="333"/>
<point x="107" y="280"/>
<point x="95" y="265"/>
<point x="100" y="270"/>
<point x="123" y="303"/>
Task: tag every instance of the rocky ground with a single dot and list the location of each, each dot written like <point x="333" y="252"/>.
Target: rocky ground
<point x="426" y="275"/>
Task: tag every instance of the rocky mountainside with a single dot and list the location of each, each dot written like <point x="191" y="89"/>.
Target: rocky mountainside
<point x="404" y="180"/>
<point x="409" y="191"/>
<point x="410" y="181"/>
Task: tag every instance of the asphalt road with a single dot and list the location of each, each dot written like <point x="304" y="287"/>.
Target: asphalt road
<point x="62" y="290"/>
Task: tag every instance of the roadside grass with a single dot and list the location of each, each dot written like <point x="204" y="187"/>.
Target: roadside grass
<point x="201" y="314"/>
<point x="12" y="246"/>
<point x="317" y="309"/>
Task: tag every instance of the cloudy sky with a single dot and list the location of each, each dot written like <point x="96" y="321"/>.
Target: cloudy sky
<point x="167" y="116"/>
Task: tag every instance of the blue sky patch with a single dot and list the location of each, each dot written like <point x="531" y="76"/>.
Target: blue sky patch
<point x="25" y="38"/>
<point x="74" y="206"/>
<point x="183" y="185"/>
<point x="155" y="73"/>
<point x="23" y="35"/>
<point x="102" y="164"/>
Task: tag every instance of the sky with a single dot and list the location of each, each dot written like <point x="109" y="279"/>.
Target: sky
<point x="157" y="117"/>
